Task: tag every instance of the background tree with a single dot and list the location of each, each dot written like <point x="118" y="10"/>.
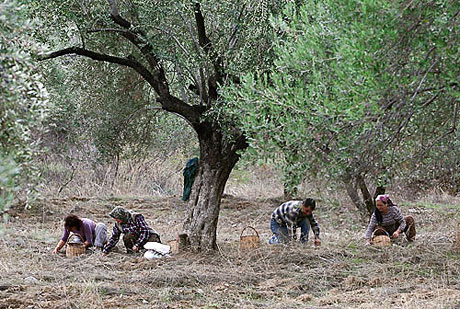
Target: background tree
<point x="23" y="105"/>
<point x="184" y="51"/>
<point x="357" y="89"/>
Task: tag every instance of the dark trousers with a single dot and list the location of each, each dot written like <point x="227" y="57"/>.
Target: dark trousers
<point x="130" y="239"/>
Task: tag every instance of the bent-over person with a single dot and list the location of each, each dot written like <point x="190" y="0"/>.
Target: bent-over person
<point x="289" y="216"/>
<point x="136" y="231"/>
<point x="387" y="219"/>
<point x="90" y="233"/>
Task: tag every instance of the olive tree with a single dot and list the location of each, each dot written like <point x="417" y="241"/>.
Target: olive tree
<point x="23" y="104"/>
<point x="356" y="89"/>
<point x="184" y="51"/>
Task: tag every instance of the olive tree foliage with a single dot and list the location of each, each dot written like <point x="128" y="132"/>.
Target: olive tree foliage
<point x="109" y="112"/>
<point x="183" y="52"/>
<point x="361" y="92"/>
<point x="23" y="105"/>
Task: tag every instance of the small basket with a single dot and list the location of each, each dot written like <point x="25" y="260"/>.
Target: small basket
<point x="249" y="241"/>
<point x="174" y="244"/>
<point x="74" y="247"/>
<point x="382" y="239"/>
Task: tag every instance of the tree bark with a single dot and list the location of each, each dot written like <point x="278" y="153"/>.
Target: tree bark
<point x="216" y="162"/>
<point x="368" y="200"/>
<point x="352" y="190"/>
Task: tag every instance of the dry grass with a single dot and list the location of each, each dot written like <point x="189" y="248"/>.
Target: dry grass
<point x="159" y="177"/>
<point x="342" y="273"/>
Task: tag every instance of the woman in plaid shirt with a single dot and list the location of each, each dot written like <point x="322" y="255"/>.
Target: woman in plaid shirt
<point x="135" y="229"/>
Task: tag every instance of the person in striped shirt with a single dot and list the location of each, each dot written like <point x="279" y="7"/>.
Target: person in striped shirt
<point x="136" y="231"/>
<point x="289" y="216"/>
<point x="387" y="219"/>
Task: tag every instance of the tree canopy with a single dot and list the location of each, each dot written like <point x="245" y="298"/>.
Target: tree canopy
<point x="357" y="89"/>
<point x="23" y="106"/>
<point x="183" y="52"/>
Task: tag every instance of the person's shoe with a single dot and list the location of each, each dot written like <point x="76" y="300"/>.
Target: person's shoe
<point x="274" y="240"/>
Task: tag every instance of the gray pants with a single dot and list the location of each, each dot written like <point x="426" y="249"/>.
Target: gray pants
<point x="101" y="235"/>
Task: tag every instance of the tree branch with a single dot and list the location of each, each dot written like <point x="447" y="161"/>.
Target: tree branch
<point x="216" y="60"/>
<point x="168" y="102"/>
<point x="205" y="43"/>
<point x="116" y="17"/>
<point x="129" y="62"/>
<point x="140" y="40"/>
<point x="232" y="41"/>
<point x="106" y="30"/>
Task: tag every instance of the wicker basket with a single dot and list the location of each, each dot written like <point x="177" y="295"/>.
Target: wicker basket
<point x="74" y="246"/>
<point x="75" y="250"/>
<point x="381" y="241"/>
<point x="174" y="244"/>
<point x="249" y="241"/>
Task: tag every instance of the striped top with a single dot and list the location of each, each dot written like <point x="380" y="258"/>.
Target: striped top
<point x="389" y="219"/>
<point x="290" y="214"/>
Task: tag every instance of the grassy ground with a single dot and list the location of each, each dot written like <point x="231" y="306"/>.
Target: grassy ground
<point x="342" y="273"/>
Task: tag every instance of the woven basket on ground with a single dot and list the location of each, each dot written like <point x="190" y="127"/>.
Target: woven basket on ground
<point x="174" y="244"/>
<point x="381" y="241"/>
<point x="249" y="241"/>
<point x="74" y="246"/>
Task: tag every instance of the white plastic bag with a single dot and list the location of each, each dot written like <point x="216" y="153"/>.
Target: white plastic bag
<point x="150" y="254"/>
<point x="156" y="246"/>
<point x="155" y="250"/>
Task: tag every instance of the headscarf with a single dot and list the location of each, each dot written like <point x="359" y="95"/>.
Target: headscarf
<point x="385" y="199"/>
<point x="121" y="214"/>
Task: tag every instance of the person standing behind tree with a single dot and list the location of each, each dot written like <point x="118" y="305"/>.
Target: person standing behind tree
<point x="90" y="232"/>
<point x="289" y="216"/>
<point x="136" y="231"/>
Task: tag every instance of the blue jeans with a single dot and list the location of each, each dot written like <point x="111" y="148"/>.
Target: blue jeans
<point x="281" y="234"/>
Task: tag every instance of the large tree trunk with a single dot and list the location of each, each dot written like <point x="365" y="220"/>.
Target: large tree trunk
<point x="216" y="162"/>
<point x="367" y="198"/>
<point x="364" y="202"/>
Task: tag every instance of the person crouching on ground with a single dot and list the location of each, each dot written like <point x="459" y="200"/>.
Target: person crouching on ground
<point x="290" y="215"/>
<point x="135" y="229"/>
<point x="90" y="233"/>
<point x="388" y="220"/>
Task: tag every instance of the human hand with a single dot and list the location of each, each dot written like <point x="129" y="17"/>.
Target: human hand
<point x="104" y="253"/>
<point x="396" y="234"/>
<point x="135" y="248"/>
<point x="317" y="242"/>
<point x="368" y="242"/>
<point x="55" y="251"/>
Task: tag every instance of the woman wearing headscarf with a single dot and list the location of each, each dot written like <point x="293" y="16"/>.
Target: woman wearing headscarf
<point x="136" y="231"/>
<point x="387" y="219"/>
